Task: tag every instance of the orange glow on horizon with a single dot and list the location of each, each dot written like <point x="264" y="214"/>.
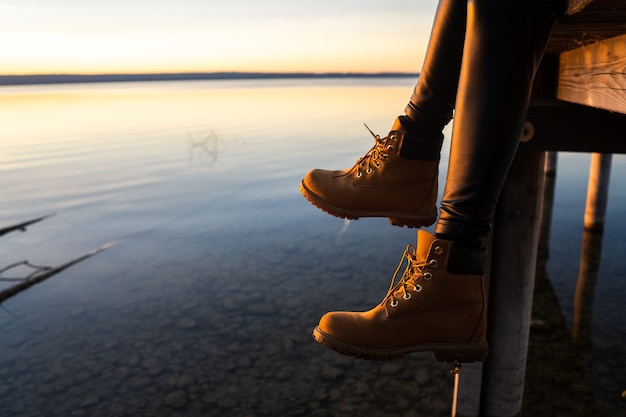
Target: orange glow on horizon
<point x="115" y="62"/>
<point x="73" y="39"/>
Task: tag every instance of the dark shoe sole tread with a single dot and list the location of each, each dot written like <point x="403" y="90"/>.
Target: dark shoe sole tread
<point x="444" y="352"/>
<point x="396" y="219"/>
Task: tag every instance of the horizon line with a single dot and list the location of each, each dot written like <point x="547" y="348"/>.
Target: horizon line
<point x="69" y="78"/>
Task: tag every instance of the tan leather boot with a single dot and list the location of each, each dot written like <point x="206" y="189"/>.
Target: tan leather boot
<point x="428" y="309"/>
<point x="381" y="184"/>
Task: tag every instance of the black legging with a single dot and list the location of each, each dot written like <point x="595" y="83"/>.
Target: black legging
<point x="481" y="61"/>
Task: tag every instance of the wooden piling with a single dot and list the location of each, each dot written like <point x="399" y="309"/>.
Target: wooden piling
<point x="548" y="204"/>
<point x="468" y="399"/>
<point x="514" y="255"/>
<point x="591" y="248"/>
<point x="598" y="191"/>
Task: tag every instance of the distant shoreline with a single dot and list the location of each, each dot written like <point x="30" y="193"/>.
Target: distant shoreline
<point x="11" y="80"/>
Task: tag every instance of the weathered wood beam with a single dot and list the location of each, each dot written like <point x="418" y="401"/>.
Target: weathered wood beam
<point x="561" y="126"/>
<point x="599" y="19"/>
<point x="595" y="75"/>
<point x="575" y="6"/>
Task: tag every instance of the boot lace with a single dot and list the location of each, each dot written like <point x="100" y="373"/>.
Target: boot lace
<point x="408" y="283"/>
<point x="374" y="156"/>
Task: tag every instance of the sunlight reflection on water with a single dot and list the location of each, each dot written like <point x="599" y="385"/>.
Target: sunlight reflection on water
<point x="206" y="305"/>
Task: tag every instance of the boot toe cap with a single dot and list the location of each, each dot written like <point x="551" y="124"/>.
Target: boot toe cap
<point x="333" y="323"/>
<point x="321" y="181"/>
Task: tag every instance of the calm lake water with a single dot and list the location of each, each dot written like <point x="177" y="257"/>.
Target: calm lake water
<point x="220" y="269"/>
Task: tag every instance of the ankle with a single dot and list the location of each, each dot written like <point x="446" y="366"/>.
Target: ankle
<point x="420" y="143"/>
<point x="465" y="257"/>
<point x="467" y="260"/>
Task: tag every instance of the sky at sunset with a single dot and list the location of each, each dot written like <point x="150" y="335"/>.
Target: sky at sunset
<point x="137" y="36"/>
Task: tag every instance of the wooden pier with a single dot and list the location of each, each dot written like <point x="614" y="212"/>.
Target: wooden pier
<point x="579" y="105"/>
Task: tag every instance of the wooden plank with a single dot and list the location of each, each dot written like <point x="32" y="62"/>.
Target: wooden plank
<point x="576" y="6"/>
<point x="595" y="75"/>
<point x="601" y="19"/>
<point x="561" y="126"/>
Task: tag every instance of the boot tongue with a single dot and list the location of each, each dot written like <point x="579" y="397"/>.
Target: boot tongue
<point x="397" y="125"/>
<point x="424" y="241"/>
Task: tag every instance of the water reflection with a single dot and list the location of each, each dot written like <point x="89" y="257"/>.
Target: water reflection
<point x="206" y="147"/>
<point x="590" y="256"/>
<point x="557" y="375"/>
<point x="203" y="148"/>
<point x="558" y="364"/>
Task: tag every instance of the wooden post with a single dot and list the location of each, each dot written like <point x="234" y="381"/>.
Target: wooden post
<point x="514" y="256"/>
<point x="470" y="380"/>
<point x="597" y="191"/>
<point x="591" y="250"/>
<point x="548" y="204"/>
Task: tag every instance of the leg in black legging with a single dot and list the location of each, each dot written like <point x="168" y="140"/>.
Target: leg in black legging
<point x="432" y="101"/>
<point x="504" y="44"/>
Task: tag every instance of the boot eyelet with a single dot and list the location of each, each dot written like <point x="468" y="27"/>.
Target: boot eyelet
<point x="427" y="276"/>
<point x="418" y="288"/>
<point x="433" y="263"/>
<point x="377" y="164"/>
<point x="385" y="156"/>
<point x="394" y="303"/>
<point x="438" y="250"/>
<point x="390" y="148"/>
<point x="359" y="174"/>
<point x="369" y="171"/>
<point x="406" y="296"/>
<point x="392" y="137"/>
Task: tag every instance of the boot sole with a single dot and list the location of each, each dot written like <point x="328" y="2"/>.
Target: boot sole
<point x="395" y="218"/>
<point x="444" y="352"/>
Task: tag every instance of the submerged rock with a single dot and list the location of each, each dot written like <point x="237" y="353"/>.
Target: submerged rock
<point x="176" y="399"/>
